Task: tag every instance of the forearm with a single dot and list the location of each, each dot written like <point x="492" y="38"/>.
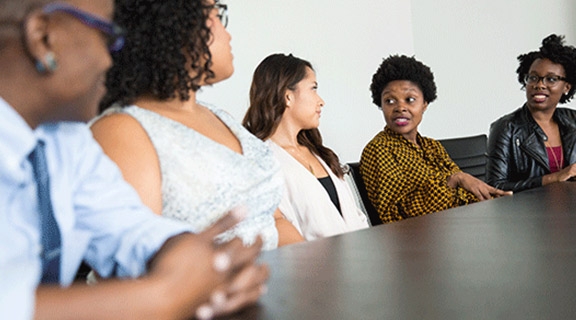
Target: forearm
<point x="287" y="233"/>
<point x="550" y="178"/>
<point x="453" y="180"/>
<point x="115" y="299"/>
<point x="385" y="197"/>
<point x="149" y="297"/>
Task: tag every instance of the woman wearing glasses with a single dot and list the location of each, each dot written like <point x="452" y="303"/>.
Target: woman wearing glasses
<point x="536" y="144"/>
<point x="187" y="160"/>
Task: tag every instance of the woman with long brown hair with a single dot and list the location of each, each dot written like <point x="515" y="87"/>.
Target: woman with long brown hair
<point x="285" y="111"/>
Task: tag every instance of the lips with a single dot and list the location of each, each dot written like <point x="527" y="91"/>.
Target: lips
<point x="401" y="121"/>
<point x="539" y="97"/>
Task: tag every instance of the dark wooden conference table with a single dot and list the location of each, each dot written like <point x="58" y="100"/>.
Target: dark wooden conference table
<point x="508" y="258"/>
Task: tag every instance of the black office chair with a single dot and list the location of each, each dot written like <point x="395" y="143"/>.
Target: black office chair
<point x="469" y="153"/>
<point x="370" y="210"/>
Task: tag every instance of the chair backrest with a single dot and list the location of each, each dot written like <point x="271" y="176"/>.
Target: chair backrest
<point x="469" y="153"/>
<point x="370" y="210"/>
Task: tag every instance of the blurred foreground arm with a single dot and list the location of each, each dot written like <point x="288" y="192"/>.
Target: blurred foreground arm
<point x="188" y="272"/>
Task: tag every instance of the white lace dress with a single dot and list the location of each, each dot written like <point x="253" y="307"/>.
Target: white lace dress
<point x="202" y="179"/>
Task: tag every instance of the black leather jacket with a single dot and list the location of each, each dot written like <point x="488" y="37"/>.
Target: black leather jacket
<point x="517" y="157"/>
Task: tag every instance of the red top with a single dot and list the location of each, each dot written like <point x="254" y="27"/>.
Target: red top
<point x="555" y="158"/>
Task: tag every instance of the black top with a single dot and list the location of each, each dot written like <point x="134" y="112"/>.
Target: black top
<point x="517" y="158"/>
<point x="328" y="184"/>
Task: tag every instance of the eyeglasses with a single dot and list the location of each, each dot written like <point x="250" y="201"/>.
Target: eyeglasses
<point x="222" y="13"/>
<point x="550" y="80"/>
<point x="113" y="32"/>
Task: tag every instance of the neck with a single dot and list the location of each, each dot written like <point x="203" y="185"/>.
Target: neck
<point x="33" y="105"/>
<point x="286" y="135"/>
<point x="543" y="116"/>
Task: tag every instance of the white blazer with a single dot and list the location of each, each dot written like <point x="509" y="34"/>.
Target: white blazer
<point x="307" y="205"/>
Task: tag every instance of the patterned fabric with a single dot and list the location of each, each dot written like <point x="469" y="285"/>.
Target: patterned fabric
<point x="202" y="179"/>
<point x="404" y="180"/>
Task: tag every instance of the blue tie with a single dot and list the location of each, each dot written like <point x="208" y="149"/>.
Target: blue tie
<point x="51" y="242"/>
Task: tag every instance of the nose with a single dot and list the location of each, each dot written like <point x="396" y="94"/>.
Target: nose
<point x="321" y="102"/>
<point x="399" y="107"/>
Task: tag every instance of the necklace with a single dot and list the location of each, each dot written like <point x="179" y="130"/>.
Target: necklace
<point x="297" y="154"/>
<point x="560" y="165"/>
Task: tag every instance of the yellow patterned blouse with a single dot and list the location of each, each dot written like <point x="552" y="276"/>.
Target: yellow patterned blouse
<point x="404" y="180"/>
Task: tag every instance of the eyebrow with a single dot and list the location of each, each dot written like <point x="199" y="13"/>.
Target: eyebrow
<point x="547" y="75"/>
<point x="407" y="90"/>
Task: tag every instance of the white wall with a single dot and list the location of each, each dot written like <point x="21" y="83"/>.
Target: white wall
<point x="345" y="42"/>
<point x="471" y="46"/>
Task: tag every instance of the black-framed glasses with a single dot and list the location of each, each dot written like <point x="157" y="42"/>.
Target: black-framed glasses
<point x="549" y="80"/>
<point x="113" y="32"/>
<point x="222" y="13"/>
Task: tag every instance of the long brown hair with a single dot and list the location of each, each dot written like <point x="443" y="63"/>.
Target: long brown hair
<point x="276" y="74"/>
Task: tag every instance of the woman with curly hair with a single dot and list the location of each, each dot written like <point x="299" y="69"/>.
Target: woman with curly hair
<point x="407" y="175"/>
<point x="285" y="112"/>
<point x="536" y="144"/>
<point x="187" y="160"/>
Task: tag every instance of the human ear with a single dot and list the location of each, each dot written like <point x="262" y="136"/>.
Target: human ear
<point x="288" y="97"/>
<point x="36" y="41"/>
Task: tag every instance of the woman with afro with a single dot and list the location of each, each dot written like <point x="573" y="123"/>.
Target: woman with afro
<point x="406" y="174"/>
<point x="187" y="160"/>
<point x="536" y="144"/>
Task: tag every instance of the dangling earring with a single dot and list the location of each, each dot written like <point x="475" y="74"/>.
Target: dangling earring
<point x="51" y="64"/>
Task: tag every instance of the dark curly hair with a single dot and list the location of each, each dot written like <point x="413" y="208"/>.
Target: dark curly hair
<point x="276" y="74"/>
<point x="166" y="42"/>
<point x="553" y="49"/>
<point x="401" y="67"/>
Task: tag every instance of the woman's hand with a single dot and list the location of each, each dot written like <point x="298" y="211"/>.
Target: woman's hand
<point x="563" y="175"/>
<point x="479" y="188"/>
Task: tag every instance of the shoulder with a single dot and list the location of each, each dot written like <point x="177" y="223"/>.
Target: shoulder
<point x="520" y="116"/>
<point x="219" y="112"/>
<point x="69" y="143"/>
<point x="430" y="143"/>
<point x="510" y="123"/>
<point x="120" y="131"/>
<point x="380" y="140"/>
<point x="72" y="147"/>
<point x="566" y="114"/>
<point x="116" y="124"/>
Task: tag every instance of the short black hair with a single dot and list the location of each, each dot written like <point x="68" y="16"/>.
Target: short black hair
<point x="166" y="42"/>
<point x="553" y="49"/>
<point x="401" y="67"/>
